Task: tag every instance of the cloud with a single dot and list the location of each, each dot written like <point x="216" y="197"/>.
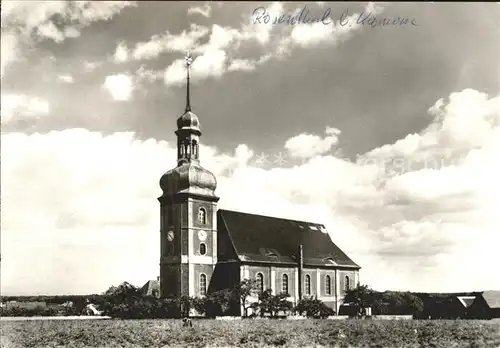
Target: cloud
<point x="175" y="73"/>
<point x="210" y="64"/>
<point x="204" y="11"/>
<point x="308" y="145"/>
<point x="331" y="31"/>
<point x="168" y="42"/>
<point x="9" y="50"/>
<point x="148" y="74"/>
<point x="470" y="120"/>
<point x="220" y="38"/>
<point x="91" y="66"/>
<point x="241" y="65"/>
<point x="19" y="106"/>
<point x="25" y="22"/>
<point x="120" y="86"/>
<point x="121" y="54"/>
<point x="66" y="78"/>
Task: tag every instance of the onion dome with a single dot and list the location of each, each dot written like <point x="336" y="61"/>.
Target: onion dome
<point x="189" y="177"/>
<point x="189" y="121"/>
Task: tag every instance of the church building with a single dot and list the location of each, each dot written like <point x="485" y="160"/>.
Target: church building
<point x="205" y="249"/>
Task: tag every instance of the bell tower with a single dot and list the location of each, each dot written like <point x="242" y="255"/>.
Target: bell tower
<point x="188" y="213"/>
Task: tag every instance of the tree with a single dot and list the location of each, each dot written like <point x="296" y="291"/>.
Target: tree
<point x="273" y="304"/>
<point x="242" y="292"/>
<point x="379" y="306"/>
<point x="121" y="301"/>
<point x="360" y="298"/>
<point x="414" y="304"/>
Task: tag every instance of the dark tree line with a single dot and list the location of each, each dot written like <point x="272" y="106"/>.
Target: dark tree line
<point x="127" y="301"/>
<point x="382" y="303"/>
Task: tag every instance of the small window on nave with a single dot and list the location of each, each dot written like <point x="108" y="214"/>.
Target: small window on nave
<point x="260" y="282"/>
<point x="308" y="284"/>
<point x="284" y="284"/>
<point x="347" y="285"/>
<point x="328" y="285"/>
<point x="202" y="216"/>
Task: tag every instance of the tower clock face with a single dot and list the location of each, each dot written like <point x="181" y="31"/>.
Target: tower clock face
<point x="202" y="235"/>
<point x="170" y="236"/>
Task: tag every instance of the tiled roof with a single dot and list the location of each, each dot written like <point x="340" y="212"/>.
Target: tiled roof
<point x="492" y="298"/>
<point x="258" y="238"/>
<point x="151" y="286"/>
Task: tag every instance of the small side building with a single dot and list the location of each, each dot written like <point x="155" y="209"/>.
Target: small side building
<point x="151" y="288"/>
<point x="486" y="305"/>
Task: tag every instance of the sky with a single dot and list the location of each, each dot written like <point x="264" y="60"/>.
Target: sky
<point x="387" y="135"/>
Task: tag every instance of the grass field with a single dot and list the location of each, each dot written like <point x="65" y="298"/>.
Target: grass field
<point x="250" y="333"/>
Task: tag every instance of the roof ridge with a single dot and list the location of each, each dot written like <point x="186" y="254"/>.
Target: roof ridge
<point x="271" y="217"/>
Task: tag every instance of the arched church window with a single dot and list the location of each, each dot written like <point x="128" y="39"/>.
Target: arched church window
<point x="260" y="282"/>
<point x="284" y="284"/>
<point x="202" y="216"/>
<point x="308" y="284"/>
<point x="203" y="249"/>
<point x="187" y="149"/>
<point x="203" y="284"/>
<point x="347" y="285"/>
<point x="328" y="285"/>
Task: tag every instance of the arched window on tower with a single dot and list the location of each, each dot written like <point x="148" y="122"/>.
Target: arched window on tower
<point x="328" y="285"/>
<point x="195" y="149"/>
<point x="203" y="284"/>
<point x="181" y="150"/>
<point x="187" y="149"/>
<point x="203" y="249"/>
<point x="284" y="284"/>
<point x="347" y="285"/>
<point x="308" y="284"/>
<point x="202" y="216"/>
<point x="260" y="282"/>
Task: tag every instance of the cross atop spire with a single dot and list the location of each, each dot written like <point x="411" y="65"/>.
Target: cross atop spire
<point x="189" y="61"/>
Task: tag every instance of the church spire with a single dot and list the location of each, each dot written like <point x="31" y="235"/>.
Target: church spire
<point x="188" y="60"/>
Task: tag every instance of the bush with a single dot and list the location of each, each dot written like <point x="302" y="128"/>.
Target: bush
<point x="29" y="312"/>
